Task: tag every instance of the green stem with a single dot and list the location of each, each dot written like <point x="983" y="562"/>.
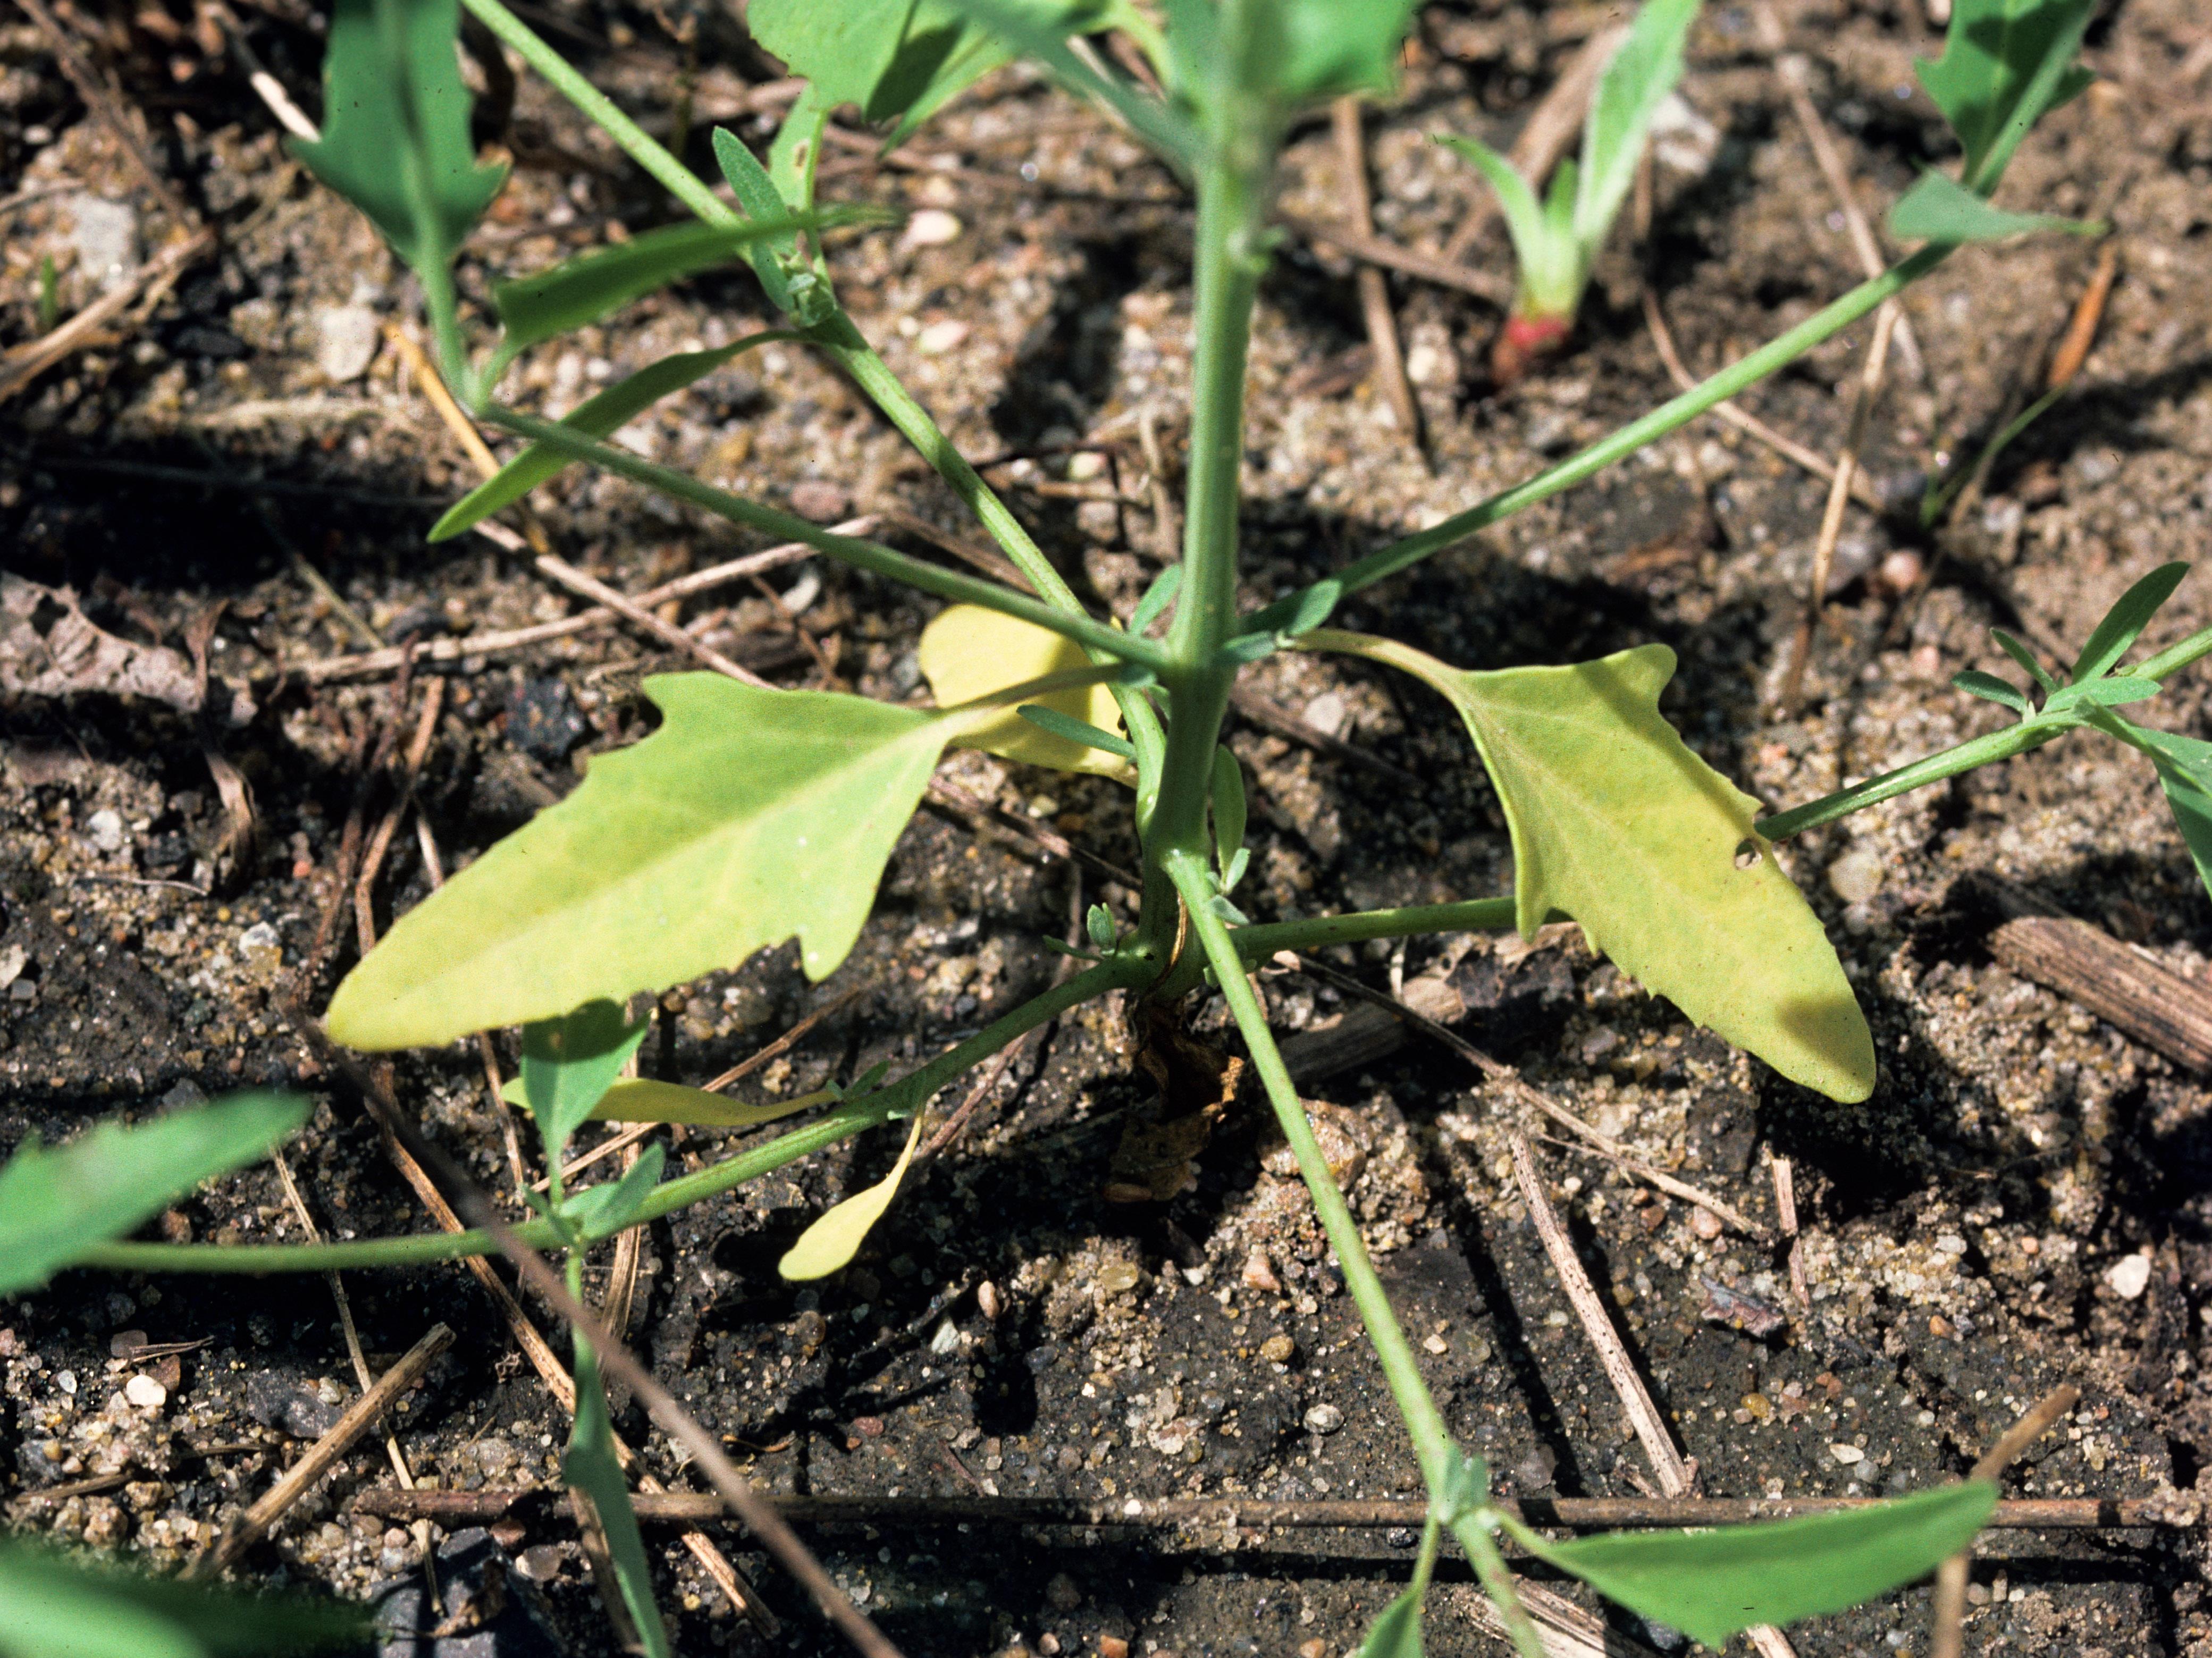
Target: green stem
<point x="1473" y="916"/>
<point x="640" y="145"/>
<point x="1997" y="745"/>
<point x="420" y="1249"/>
<point x="1776" y="354"/>
<point x="868" y="555"/>
<point x="2174" y="658"/>
<point x="1401" y="1372"/>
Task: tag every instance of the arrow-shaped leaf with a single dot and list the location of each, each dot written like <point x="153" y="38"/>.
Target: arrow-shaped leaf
<point x="1939" y="209"/>
<point x="1617" y="825"/>
<point x="2004" y="62"/>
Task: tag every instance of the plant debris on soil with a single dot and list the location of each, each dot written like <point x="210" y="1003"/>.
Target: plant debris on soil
<point x="226" y="491"/>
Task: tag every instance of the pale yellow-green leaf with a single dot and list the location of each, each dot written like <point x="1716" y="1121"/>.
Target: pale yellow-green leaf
<point x="835" y="1237"/>
<point x="1616" y="823"/>
<point x="967" y="652"/>
<point x="640" y="1099"/>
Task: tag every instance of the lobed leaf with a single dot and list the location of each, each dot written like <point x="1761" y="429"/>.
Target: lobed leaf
<point x="55" y="1205"/>
<point x="592" y="1467"/>
<point x="967" y="652"/>
<point x="2005" y="63"/>
<point x="751" y="816"/>
<point x="1616" y="823"/>
<point x="2130" y="614"/>
<point x="54" y="1606"/>
<point x="1709" y="1584"/>
<point x="596" y="418"/>
<point x="569" y="1062"/>
<point x="836" y="1234"/>
<point x="1939" y="209"/>
<point x="395" y="138"/>
<point x="1639" y="76"/>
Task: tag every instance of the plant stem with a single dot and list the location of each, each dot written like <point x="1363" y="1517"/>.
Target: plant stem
<point x="909" y="1093"/>
<point x="637" y="144"/>
<point x="868" y="555"/>
<point x="1473" y="916"/>
<point x="2174" y="658"/>
<point x="1718" y="388"/>
<point x="1980" y="751"/>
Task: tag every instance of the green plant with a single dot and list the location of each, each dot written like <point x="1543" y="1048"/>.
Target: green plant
<point x="56" y="1208"/>
<point x="1556" y="241"/>
<point x="752" y="817"/>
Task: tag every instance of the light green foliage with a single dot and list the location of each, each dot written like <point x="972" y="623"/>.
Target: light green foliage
<point x="55" y="1204"/>
<point x="615" y="1205"/>
<point x="1709" y="1584"/>
<point x="567" y="1064"/>
<point x="56" y="1606"/>
<point x="641" y="1099"/>
<point x="1616" y="823"/>
<point x="751" y="816"/>
<point x="1990" y="689"/>
<point x="967" y="652"/>
<point x="1229" y="816"/>
<point x="836" y="1236"/>
<point x="1939" y="209"/>
<point x="2122" y="624"/>
<point x="2005" y="64"/>
<point x="597" y="418"/>
<point x="2184" y="772"/>
<point x="1396" y="1632"/>
<point x="1555" y="241"/>
<point x="395" y="137"/>
<point x="592" y="1467"/>
<point x="760" y="199"/>
<point x="1322" y="49"/>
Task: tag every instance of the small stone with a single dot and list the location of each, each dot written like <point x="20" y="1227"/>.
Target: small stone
<point x="939" y="338"/>
<point x="541" y="1562"/>
<point x="1260" y="1273"/>
<point x="1848" y="1455"/>
<point x="1599" y="1043"/>
<point x="1113" y="1646"/>
<point x="868" y="1427"/>
<point x="1938" y="1325"/>
<point x="346" y="341"/>
<point x="1427" y="366"/>
<point x="124" y="1343"/>
<point x="987" y="1301"/>
<point x="1757" y="1406"/>
<point x="105" y="239"/>
<point x="1118" y="1278"/>
<point x="1061" y="1593"/>
<point x="145" y="1392"/>
<point x="931" y="228"/>
<point x="13" y="961"/>
<point x="1323" y="1419"/>
<point x="1278" y="1349"/>
<point x="1900" y="571"/>
<point x="821" y="500"/>
<point x="2129" y="1276"/>
<point x="1328" y="714"/>
<point x="1704" y="1222"/>
<point x="1049" y="1645"/>
<point x="1435" y="1345"/>
<point x="106" y="827"/>
<point x="1857" y="876"/>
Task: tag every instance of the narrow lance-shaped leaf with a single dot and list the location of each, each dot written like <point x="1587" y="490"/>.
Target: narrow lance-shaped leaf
<point x="395" y="137"/>
<point x="1990" y="689"/>
<point x="2130" y="614"/>
<point x="641" y="1099"/>
<point x="1709" y="1584"/>
<point x="835" y="1237"/>
<point x="2110" y="692"/>
<point x="2184" y="772"/>
<point x="567" y="1064"/>
<point x="600" y="1211"/>
<point x="592" y="1468"/>
<point x="2005" y="64"/>
<point x="2027" y="659"/>
<point x="608" y="412"/>
<point x="759" y="199"/>
<point x="1616" y="823"/>
<point x="1636" y="79"/>
<point x="57" y="1203"/>
<point x="1228" y="810"/>
<point x="967" y="652"/>
<point x="749" y="817"/>
<point x="1550" y="281"/>
<point x="1939" y="209"/>
<point x="54" y="1606"/>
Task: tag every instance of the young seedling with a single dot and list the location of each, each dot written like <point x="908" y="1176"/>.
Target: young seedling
<point x="755" y="816"/>
<point x="1556" y="241"/>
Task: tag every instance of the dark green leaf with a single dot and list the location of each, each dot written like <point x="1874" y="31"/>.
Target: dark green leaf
<point x="1156" y="598"/>
<point x="395" y="138"/>
<point x="2184" y="771"/>
<point x="1069" y="728"/>
<point x="2027" y="659"/>
<point x="600" y="1211"/>
<point x="569" y="1063"/>
<point x="1228" y="811"/>
<point x="583" y="290"/>
<point x="2126" y="619"/>
<point x="55" y="1606"/>
<point x="1989" y="689"/>
<point x="592" y="1468"/>
<point x="1098" y="922"/>
<point x="55" y="1205"/>
<point x="2109" y="693"/>
<point x="610" y="410"/>
<point x="1939" y="209"/>
<point x="1709" y="1584"/>
<point x="2004" y="62"/>
<point x="759" y="199"/>
<point x="1397" y="1632"/>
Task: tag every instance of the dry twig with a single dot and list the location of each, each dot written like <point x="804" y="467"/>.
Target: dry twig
<point x="1382" y="323"/>
<point x="567" y="575"/>
<point x="1950" y="1609"/>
